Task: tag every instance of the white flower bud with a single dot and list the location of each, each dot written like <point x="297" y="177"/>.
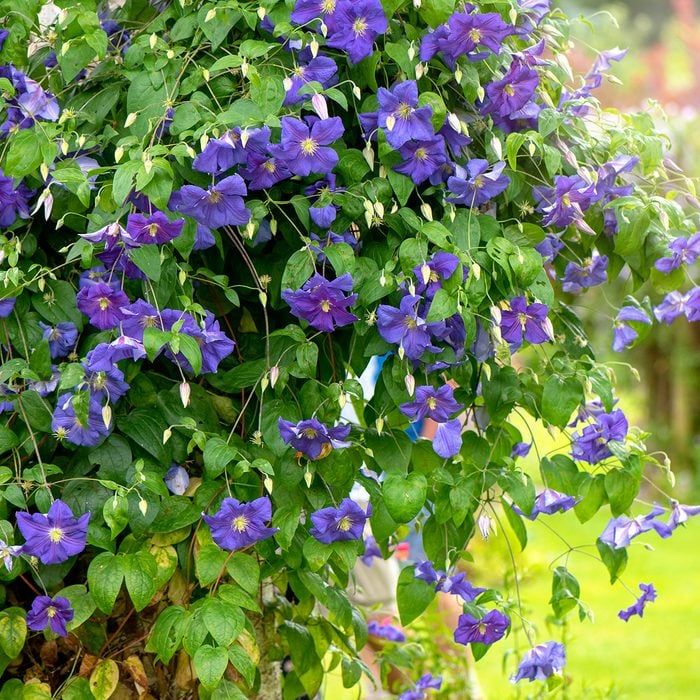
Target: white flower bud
<point x="410" y="382"/>
<point x="454" y="122"/>
<point x="167" y="434"/>
<point x="425" y="273"/>
<point x="356" y="91"/>
<point x="314" y="46"/>
<point x="264" y="383"/>
<point x="458" y="74"/>
<point x="147" y="165"/>
<point x="170" y="54"/>
<point x="379" y="424"/>
<point x="274" y="375"/>
<point x="210" y="15"/>
<point x="44" y="170"/>
<point x="267" y="482"/>
<point x="368" y="153"/>
<point x="107" y="415"/>
<point x="130" y="119"/>
<point x="308" y="478"/>
<point x="419" y="71"/>
<point x="143" y="507"/>
<point x="118" y="153"/>
<point x="480" y="93"/>
<point x="320" y="106"/>
<point x="185" y="394"/>
<point x="497" y="147"/>
<point x="427" y="211"/>
<point x="287" y="84"/>
<point x="153" y="40"/>
<point x="390" y="122"/>
<point x="261" y="13"/>
<point x="263" y="298"/>
<point x="203" y="141"/>
<point x="244" y="68"/>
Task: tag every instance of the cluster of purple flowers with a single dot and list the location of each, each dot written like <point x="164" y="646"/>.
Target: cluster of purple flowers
<point x="592" y="444"/>
<point x="455" y="584"/>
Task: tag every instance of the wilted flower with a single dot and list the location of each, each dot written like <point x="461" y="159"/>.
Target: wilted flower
<point x="371" y="552"/>
<point x="648" y="596"/>
<point x="238" y="525"/>
<point x="55" y="537"/>
<point x="55" y="613"/>
<point x="346" y="522"/>
<point x="541" y="662"/>
<point x="386" y="631"/>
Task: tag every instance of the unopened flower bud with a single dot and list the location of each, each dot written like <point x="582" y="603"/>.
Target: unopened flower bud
<point x="44" y="170"/>
<point x="118" y="153"/>
<point x="274" y="375"/>
<point x="308" y="478"/>
<point x="210" y="15"/>
<point x="107" y="415"/>
<point x="425" y="273"/>
<point x="170" y="54"/>
<point x="130" y="119"/>
<point x="152" y="41"/>
<point x="356" y="91"/>
<point x="410" y="382"/>
<point x="263" y="298"/>
<point x="379" y="425"/>
<point x="267" y="483"/>
<point x="411" y="52"/>
<point x="427" y="211"/>
<point x="185" y="394"/>
<point x="143" y="507"/>
<point x="320" y="106"/>
<point x="261" y="13"/>
<point x="419" y="71"/>
<point x="314" y="46"/>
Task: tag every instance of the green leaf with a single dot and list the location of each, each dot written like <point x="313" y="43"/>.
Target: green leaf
<point x="342" y="257"/>
<point x="40" y="359"/>
<point x="104" y="679"/>
<point x="565" y="591"/>
<point x="299" y="268"/>
<point x="140" y="571"/>
<point x="402" y="185"/>
<point x="166" y="634"/>
<point x="244" y="570"/>
<point x="413" y="596"/>
<point x="210" y="663"/>
<point x="435" y="12"/>
<point x="145" y="427"/>
<point x="621" y="487"/>
<point x="175" y="512"/>
<point x="81" y="601"/>
<point x="307" y="358"/>
<point x="147" y="259"/>
<point x="23" y="153"/>
<point x="8" y="440"/>
<point x="13" y="631"/>
<point x="224" y="620"/>
<point x="189" y="347"/>
<point x="593" y="496"/>
<point x="442" y="306"/>
<point x="404" y="496"/>
<point x="243" y="664"/>
<point x="560" y="398"/>
<point x="153" y="341"/>
<point x="615" y="560"/>
<point x="116" y="513"/>
<point x="516" y="523"/>
<point x="217" y="456"/>
<point x="437" y="233"/>
<point x="209" y="564"/>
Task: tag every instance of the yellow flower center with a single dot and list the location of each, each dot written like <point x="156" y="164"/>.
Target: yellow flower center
<point x="432" y="403"/>
<point x="566" y="200"/>
<point x="149" y="322"/>
<point x="482" y="628"/>
<point x="523" y="319"/>
<point x="308" y="146"/>
<point x="61" y="433"/>
<point x="475" y="35"/>
<point x="344" y="524"/>
<point x="239" y="523"/>
<point x="404" y="110"/>
<point x="421" y="153"/>
<point x="359" y="26"/>
<point x="104" y="303"/>
<point x="434" y="277"/>
<point x="269" y="166"/>
<point x="409" y="322"/>
<point x="310" y="433"/>
<point x="55" y="534"/>
<point x="509" y="90"/>
<point x="328" y="6"/>
<point x="299" y="71"/>
<point x="51" y="611"/>
<point x="152" y="230"/>
<point x="325" y="305"/>
<point x="479" y="181"/>
<point x="214" y="196"/>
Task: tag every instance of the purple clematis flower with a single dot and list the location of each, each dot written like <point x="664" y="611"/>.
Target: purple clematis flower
<point x="103" y="356"/>
<point x="592" y="445"/>
<point x="371" y="552"/>
<point x="541" y="662"/>
<point x="97" y="275"/>
<point x="676" y="304"/>
<point x="7" y="306"/>
<point x="507" y="96"/>
<point x="14" y="201"/>
<point x="138" y="316"/>
<point x="307" y="10"/>
<point x="216" y="346"/>
<point x="591" y="272"/>
<point x="437" y="404"/>
<point x="305" y="149"/>
<point x="4" y="33"/>
<point x="61" y="338"/>
<point x="405" y="328"/>
<point x="521" y="449"/>
<point x="681" y="513"/>
<point x="320" y="70"/>
<point x="623" y="334"/>
<point x="422" y="158"/>
<point x="109" y="384"/>
<point x="406" y="121"/>
<point x="322" y="303"/>
<point x="220" y="205"/>
<point x="50" y="612"/>
<point x="620" y="531"/>
<point x="313" y="438"/>
<point x="8" y="552"/>
<point x="385" y="631"/>
<point x="55" y="537"/>
<point x="684" y="251"/>
<point x="113" y="235"/>
<point x="220" y="155"/>
<point x="157" y="228"/>
<point x="177" y="479"/>
<point x="67" y="425"/>
<point x="549" y="502"/>
<point x="347" y="522"/>
<point x="102" y="304"/>
<point x="486" y="630"/>
<point x="426" y="682"/>
<point x="550" y="247"/>
<point x="238" y="525"/>
<point x="428" y="275"/>
<point x="525" y="321"/>
<point x="475" y="185"/>
<point x="566" y="202"/>
<point x="263" y="170"/>
<point x="648" y="596"/>
<point x="455" y="584"/>
<point x="467" y="32"/>
<point x="355" y="26"/>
